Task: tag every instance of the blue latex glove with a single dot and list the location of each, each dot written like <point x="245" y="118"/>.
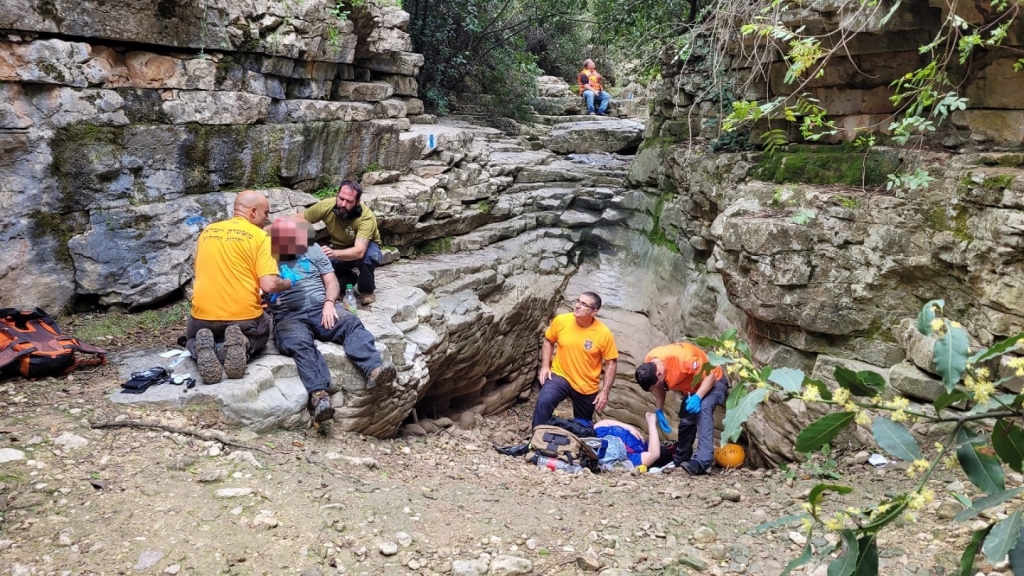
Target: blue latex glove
<point x="693" y="404"/>
<point x="663" y="422"/>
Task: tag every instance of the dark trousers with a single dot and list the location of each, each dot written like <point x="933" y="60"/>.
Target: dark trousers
<point x="358" y="273"/>
<point x="700" y="426"/>
<point x="256" y="332"/>
<point x="295" y="333"/>
<point x="551" y="395"/>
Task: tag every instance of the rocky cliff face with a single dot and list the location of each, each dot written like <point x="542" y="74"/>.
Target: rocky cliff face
<point x="123" y="121"/>
<point x="815" y="261"/>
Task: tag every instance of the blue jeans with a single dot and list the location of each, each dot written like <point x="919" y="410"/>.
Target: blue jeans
<point x="551" y="395"/>
<point x="602" y="101"/>
<point x="295" y="333"/>
<point x="700" y="425"/>
<point x="359" y="273"/>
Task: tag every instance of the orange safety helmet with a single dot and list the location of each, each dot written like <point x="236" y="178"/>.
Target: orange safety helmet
<point x="730" y="456"/>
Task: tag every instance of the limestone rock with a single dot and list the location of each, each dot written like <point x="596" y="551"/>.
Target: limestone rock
<point x="510" y="566"/>
<point x="216" y="108"/>
<point x="914" y="383"/>
<point x="588" y="137"/>
<point x="552" y="86"/>
<point x="469" y="568"/>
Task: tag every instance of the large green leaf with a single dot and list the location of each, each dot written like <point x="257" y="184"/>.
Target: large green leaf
<point x="894" y="438"/>
<point x="967" y="560"/>
<point x="734" y="419"/>
<point x="947" y="399"/>
<point x="1002" y="538"/>
<point x="1017" y="555"/>
<point x="981" y="504"/>
<point x="847" y="563"/>
<point x="818" y="492"/>
<point x="735" y="395"/>
<point x="855" y="383"/>
<point x="1008" y="441"/>
<point x="982" y="469"/>
<point x="705" y="342"/>
<point x="729" y="334"/>
<point x="996" y="350"/>
<point x="822" y="431"/>
<point x="926" y="315"/>
<point x="779" y="522"/>
<point x="867" y="562"/>
<point x="951" y="355"/>
<point x="789" y="379"/>
<point x="802" y="559"/>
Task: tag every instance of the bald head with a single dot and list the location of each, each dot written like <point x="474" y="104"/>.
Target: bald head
<point x="252" y="206"/>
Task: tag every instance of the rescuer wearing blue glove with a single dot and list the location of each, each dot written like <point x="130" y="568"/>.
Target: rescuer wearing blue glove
<point x="684" y="368"/>
<point x="663" y="422"/>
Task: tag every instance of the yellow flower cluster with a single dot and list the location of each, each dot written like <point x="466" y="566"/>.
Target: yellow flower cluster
<point x="1017" y="364"/>
<point x="916" y="467"/>
<point x="898" y="405"/>
<point x="836" y="522"/>
<point x="921" y="499"/>
<point x="979" y="385"/>
<point x="810" y="394"/>
<point x="938" y="326"/>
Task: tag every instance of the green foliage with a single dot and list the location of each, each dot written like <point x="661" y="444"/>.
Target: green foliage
<point x="858" y="400"/>
<point x="821" y="164"/>
<point x="325" y="192"/>
<point x="483" y="46"/>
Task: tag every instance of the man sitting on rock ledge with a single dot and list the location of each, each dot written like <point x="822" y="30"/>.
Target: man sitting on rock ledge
<point x="591" y="88"/>
<point x="311" y="311"/>
<point x="233" y="263"/>
<point x="355" y="240"/>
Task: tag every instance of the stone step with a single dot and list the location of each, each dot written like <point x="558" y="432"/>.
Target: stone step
<point x="422" y="119"/>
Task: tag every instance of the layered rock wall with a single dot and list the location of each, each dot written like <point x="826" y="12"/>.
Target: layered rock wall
<point x="122" y="122"/>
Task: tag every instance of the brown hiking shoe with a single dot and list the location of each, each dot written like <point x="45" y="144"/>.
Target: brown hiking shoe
<point x="367" y="299"/>
<point x="383" y="374"/>
<point x="210" y="369"/>
<point x="234" y="352"/>
<point x="322" y="409"/>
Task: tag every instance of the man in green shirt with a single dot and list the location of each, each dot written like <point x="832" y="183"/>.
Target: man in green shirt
<point x="354" y="249"/>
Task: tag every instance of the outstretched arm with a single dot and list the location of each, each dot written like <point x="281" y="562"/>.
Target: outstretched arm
<point x="653" y="443"/>
<point x="609" y="378"/>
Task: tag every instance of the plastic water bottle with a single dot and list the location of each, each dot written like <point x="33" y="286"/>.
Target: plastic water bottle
<point x="556" y="464"/>
<point x="349" y="301"/>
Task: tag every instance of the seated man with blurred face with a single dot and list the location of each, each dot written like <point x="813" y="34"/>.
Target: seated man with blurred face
<point x="310" y="312"/>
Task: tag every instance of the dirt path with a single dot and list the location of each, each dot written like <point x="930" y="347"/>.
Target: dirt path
<point x="148" y="502"/>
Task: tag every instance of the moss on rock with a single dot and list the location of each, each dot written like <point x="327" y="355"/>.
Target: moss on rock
<point x="827" y="165"/>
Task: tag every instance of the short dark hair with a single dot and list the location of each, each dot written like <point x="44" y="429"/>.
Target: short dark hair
<point x="354" y="186"/>
<point x="646" y="375"/>
<point x="595" y="298"/>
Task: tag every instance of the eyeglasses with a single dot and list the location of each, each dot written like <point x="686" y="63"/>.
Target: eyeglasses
<point x="578" y="302"/>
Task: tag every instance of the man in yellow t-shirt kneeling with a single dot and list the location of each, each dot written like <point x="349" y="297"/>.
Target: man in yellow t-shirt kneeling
<point x="584" y="346"/>
<point x="227" y="324"/>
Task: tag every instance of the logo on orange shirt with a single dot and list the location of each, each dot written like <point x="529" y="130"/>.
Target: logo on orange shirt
<point x="588" y="344"/>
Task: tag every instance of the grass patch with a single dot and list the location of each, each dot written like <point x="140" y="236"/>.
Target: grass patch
<point x="96" y="327"/>
<point x="325" y="192"/>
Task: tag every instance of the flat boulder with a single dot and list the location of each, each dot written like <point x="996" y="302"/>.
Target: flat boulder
<point x="607" y="135"/>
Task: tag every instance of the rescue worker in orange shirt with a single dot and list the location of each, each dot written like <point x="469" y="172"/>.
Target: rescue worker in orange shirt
<point x="683" y="367"/>
<point x="592" y="89"/>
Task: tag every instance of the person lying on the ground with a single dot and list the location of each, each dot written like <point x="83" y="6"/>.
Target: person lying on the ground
<point x="641" y="449"/>
<point x="355" y="240"/>
<point x="227" y="325"/>
<point x="311" y="312"/>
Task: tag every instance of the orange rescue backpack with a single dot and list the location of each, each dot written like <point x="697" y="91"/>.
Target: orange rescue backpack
<point x="33" y="343"/>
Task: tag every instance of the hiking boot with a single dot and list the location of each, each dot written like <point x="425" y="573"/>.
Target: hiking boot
<point x="234" y="352"/>
<point x="693" y="469"/>
<point x="210" y="369"/>
<point x="383" y="374"/>
<point x="322" y="409"/>
<point x="366" y="299"/>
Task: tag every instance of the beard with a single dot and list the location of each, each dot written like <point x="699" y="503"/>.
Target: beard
<point x="340" y="212"/>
